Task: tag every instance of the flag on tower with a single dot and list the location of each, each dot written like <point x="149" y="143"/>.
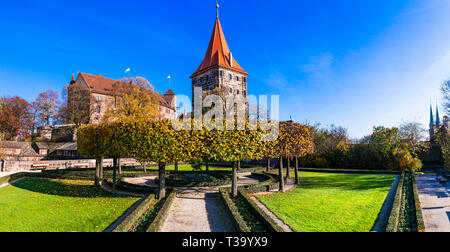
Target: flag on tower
<point x="128" y="70"/>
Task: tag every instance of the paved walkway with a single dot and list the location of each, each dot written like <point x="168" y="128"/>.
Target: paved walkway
<point x="435" y="201"/>
<point x="202" y="210"/>
<point x="3" y="174"/>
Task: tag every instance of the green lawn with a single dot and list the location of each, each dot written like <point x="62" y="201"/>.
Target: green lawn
<point x="41" y="205"/>
<point x="327" y="202"/>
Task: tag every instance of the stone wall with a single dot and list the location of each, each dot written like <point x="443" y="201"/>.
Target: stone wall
<point x="12" y="166"/>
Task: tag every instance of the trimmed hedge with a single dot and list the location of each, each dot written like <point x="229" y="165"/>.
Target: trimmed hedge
<point x="234" y="211"/>
<point x="163" y="213"/>
<point x="266" y="220"/>
<point x="131" y="220"/>
<point x="394" y="217"/>
<point x="419" y="215"/>
<point x="270" y="183"/>
<point x="13" y="177"/>
<point x="127" y="187"/>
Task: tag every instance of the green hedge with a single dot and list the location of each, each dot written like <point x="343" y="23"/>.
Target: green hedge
<point x="163" y="213"/>
<point x="266" y="220"/>
<point x="419" y="215"/>
<point x="131" y="220"/>
<point x="14" y="177"/>
<point x="234" y="211"/>
<point x="394" y="217"/>
<point x="270" y="183"/>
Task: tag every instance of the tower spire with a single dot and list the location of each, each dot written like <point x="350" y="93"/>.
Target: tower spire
<point x="217" y="9"/>
<point x="431" y="116"/>
<point x="438" y="120"/>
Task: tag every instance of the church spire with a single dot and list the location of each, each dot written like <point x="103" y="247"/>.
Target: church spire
<point x="431" y="116"/>
<point x="438" y="120"/>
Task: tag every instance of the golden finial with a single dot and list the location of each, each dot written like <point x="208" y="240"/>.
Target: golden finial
<point x="217" y="9"/>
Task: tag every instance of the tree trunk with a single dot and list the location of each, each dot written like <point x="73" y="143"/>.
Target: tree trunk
<point x="268" y="164"/>
<point x="101" y="169"/>
<point x="234" y="182"/>
<point x="297" y="181"/>
<point x="207" y="167"/>
<point x="280" y="174"/>
<point x="288" y="172"/>
<point x="162" y="180"/>
<point x="145" y="168"/>
<point x="176" y="166"/>
<point x="114" y="174"/>
<point x="97" y="172"/>
<point x="120" y="167"/>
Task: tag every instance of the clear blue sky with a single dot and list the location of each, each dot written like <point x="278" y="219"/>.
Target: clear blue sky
<point x="352" y="63"/>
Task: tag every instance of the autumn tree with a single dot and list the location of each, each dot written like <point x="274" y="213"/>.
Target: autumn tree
<point x="134" y="99"/>
<point x="46" y="107"/>
<point x="15" y="118"/>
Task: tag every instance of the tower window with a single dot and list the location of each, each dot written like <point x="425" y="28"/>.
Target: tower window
<point x="221" y="73"/>
<point x="244" y="79"/>
<point x="244" y="93"/>
<point x="230" y="76"/>
<point x="237" y="78"/>
<point x="237" y="91"/>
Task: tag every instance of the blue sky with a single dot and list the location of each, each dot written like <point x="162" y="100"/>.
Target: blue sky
<point x="351" y="63"/>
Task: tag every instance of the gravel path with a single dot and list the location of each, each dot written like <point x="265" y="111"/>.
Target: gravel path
<point x="202" y="210"/>
<point x="435" y="202"/>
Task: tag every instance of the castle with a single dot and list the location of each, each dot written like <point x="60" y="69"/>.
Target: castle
<point x="437" y="126"/>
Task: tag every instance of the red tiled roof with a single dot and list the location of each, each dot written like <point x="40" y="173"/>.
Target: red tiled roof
<point x="102" y="85"/>
<point x="169" y="92"/>
<point x="218" y="53"/>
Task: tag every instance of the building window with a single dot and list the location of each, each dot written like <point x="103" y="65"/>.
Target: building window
<point x="230" y="76"/>
<point x="244" y="79"/>
<point x="231" y="90"/>
<point x="221" y="73"/>
<point x="244" y="93"/>
<point x="237" y="78"/>
<point x="207" y="77"/>
<point x="237" y="92"/>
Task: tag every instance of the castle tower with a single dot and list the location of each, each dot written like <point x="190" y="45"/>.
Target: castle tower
<point x="219" y="69"/>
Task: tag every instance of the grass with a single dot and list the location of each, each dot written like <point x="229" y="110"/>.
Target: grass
<point x="326" y="202"/>
<point x="41" y="205"/>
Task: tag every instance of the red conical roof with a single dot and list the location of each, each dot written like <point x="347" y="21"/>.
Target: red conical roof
<point x="218" y="53"/>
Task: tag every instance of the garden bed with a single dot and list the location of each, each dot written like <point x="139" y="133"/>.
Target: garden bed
<point x="406" y="213"/>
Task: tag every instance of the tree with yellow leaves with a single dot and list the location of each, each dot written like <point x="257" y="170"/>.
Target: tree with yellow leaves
<point x="134" y="99"/>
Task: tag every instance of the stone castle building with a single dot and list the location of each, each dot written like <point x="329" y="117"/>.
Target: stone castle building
<point x="91" y="95"/>
<point x="219" y="69"/>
